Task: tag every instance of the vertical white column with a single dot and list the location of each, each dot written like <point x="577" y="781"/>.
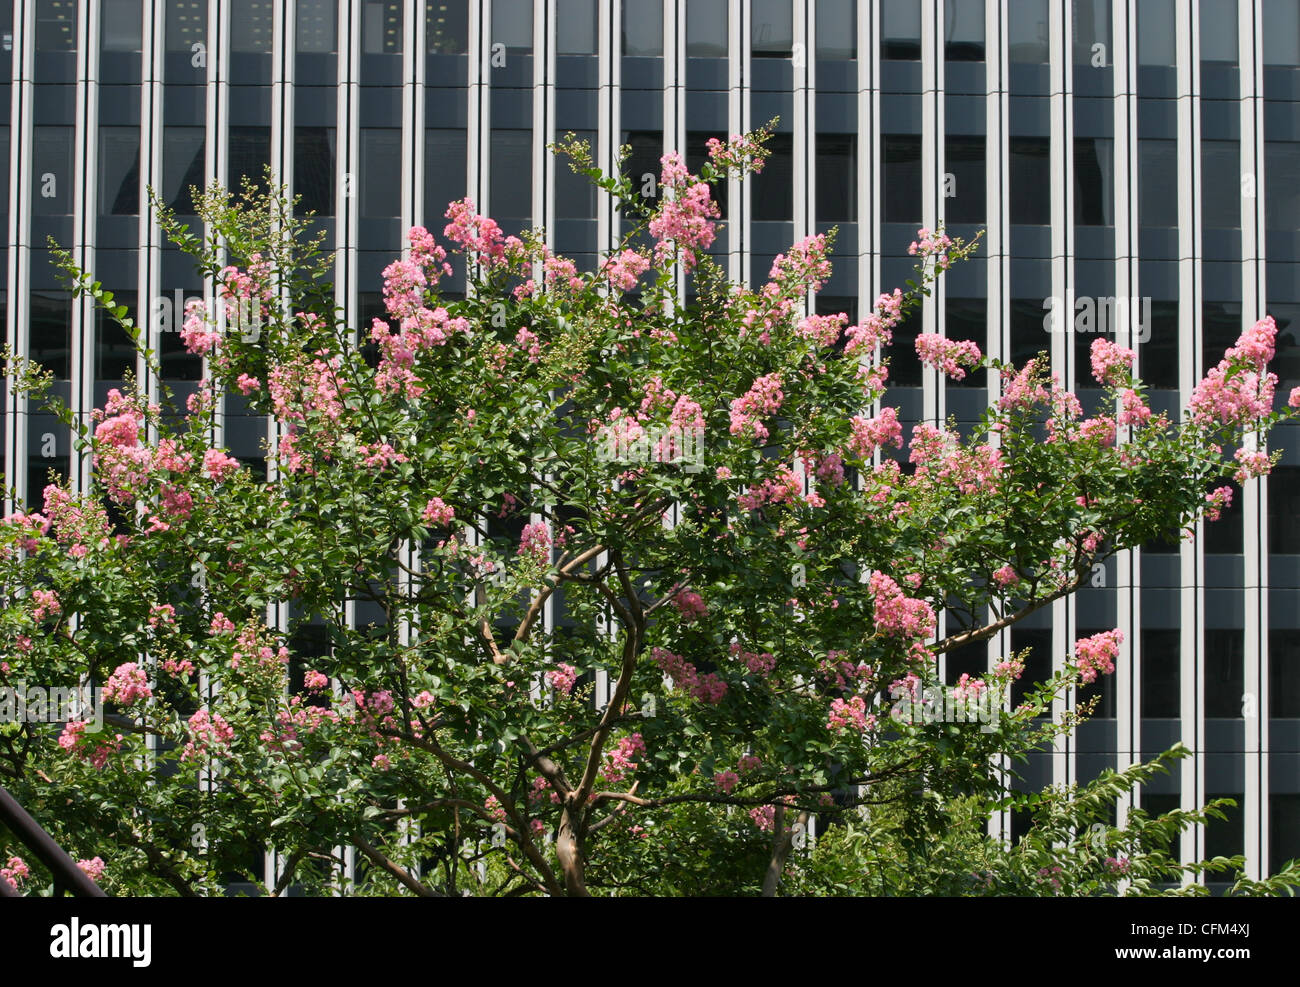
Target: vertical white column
<point x="741" y="69"/>
<point x="1061" y="32"/>
<point x="932" y="211"/>
<point x="1192" y="559"/>
<point x="1255" y="521"/>
<point x="81" y="364"/>
<point x="1128" y="673"/>
<point x="21" y="180"/>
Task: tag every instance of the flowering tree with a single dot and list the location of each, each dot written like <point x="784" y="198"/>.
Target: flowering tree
<point x="589" y="581"/>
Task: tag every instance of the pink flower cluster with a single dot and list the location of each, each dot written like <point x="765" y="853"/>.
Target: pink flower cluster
<point x="620" y="764"/>
<point x="474" y="233"/>
<point x="850" y="714"/>
<point x="736" y="153"/>
<point x="217" y="465"/>
<point x="47" y="604"/>
<point x="1010" y="668"/>
<point x="1096" y="655"/>
<point x="120" y="458"/>
<point x="706" y="688"/>
<point x="951" y="356"/>
<point x="807" y="263"/>
<point x="934" y="244"/>
<point x="685" y="220"/>
<point x="623" y="269"/>
<point x="895" y="613"/>
<point x="1006" y="576"/>
<point x="1239" y="390"/>
<point x="877" y="329"/>
<point x="1216" y="501"/>
<point x="127" y="684"/>
<point x="1111" y="364"/>
<point x="1252" y="464"/>
<point x="209" y="734"/>
<point x="758" y="662"/>
<point x="92" y="868"/>
<point x="536" y="542"/>
<point x="1133" y="410"/>
<point x="823" y="330"/>
<point x="763" y="398"/>
<point x="196" y="333"/>
<point x="437" y="513"/>
<point x="869" y="434"/>
<point x="690" y="605"/>
<point x="15" y="871"/>
<point x="562" y="678"/>
<point x="787" y="488"/>
<point x="726" y="780"/>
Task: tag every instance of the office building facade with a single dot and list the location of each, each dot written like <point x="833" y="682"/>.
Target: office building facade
<point x="1136" y="166"/>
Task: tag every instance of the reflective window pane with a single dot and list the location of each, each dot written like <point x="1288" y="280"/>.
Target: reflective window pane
<point x="771" y="28"/>
<point x="119" y="25"/>
<point x="251" y="26"/>
<point x="643" y="27"/>
<point x="56" y="25"/>
<point x="575" y="27"/>
<point x="511" y="194"/>
<point x="1219" y="31"/>
<point x="1157" y="182"/>
<point x="1220" y="184"/>
<point x="313" y="169"/>
<point x="1031" y="178"/>
<point x="446" y="27"/>
<point x="837" y="29"/>
<point x="381" y="27"/>
<point x="444" y="172"/>
<point x="836" y="178"/>
<point x="964" y="183"/>
<point x="52" y="171"/>
<point x="1027" y="31"/>
<point x="1282" y="37"/>
<point x="1157" y="40"/>
<point x="381" y="171"/>
<point x="183" y="167"/>
<point x="773" y="195"/>
<point x="119" y="171"/>
<point x="963" y="30"/>
<point x="187" y="24"/>
<point x="706" y="29"/>
<point x="315" y="26"/>
<point x="902" y="178"/>
<point x="900" y="28"/>
<point x="1094" y="181"/>
<point x="1091" y="28"/>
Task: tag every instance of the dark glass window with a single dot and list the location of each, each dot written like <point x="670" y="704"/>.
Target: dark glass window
<point x="1226" y="837"/>
<point x="836" y="178"/>
<point x="114" y="349"/>
<point x="1038" y="664"/>
<point x="56" y="25"/>
<point x="900" y="29"/>
<point x="1225" y="655"/>
<point x="1283" y="829"/>
<point x="575" y="27"/>
<point x="967" y="318"/>
<point x="1224" y="536"/>
<point x="706" y="29"/>
<point x="575" y="195"/>
<point x="119" y="25"/>
<point x="1284" y="514"/>
<point x="964" y="185"/>
<point x="316" y="26"/>
<point x="1030" y="186"/>
<point x="183" y="167"/>
<point x="1220" y="329"/>
<point x="1158" y="356"/>
<point x="963" y="30"/>
<point x="512" y="25"/>
<point x="51" y="327"/>
<point x="1283" y="672"/>
<point x="381" y="171"/>
<point x="381" y="27"/>
<point x="52" y="171"/>
<point x="902" y="178"/>
<point x="1282" y="181"/>
<point x="250" y="154"/>
<point x="187" y="24"/>
<point x="773" y="195"/>
<point x="904" y="364"/>
<point x="1094" y="184"/>
<point x="1282" y="37"/>
<point x="313" y="169"/>
<point x="251" y="26"/>
<point x="1161" y="673"/>
<point x="1027" y="31"/>
<point x="1220" y="184"/>
<point x="1219" y="31"/>
<point x="119" y="171"/>
<point x="1157" y="182"/>
<point x="837" y="29"/>
<point x="444" y="172"/>
<point x="1091" y="28"/>
<point x="511" y="191"/>
<point x="771" y="28"/>
<point x="1157" y="38"/>
<point x="643" y="27"/>
<point x="446" y="26"/>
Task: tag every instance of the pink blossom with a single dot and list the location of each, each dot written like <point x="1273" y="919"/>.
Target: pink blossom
<point x="851" y="714"/>
<point x="763" y="398"/>
<point x="474" y="233"/>
<point x="247" y="384"/>
<point x="127" y="684"/>
<point x="951" y="356"/>
<point x="221" y="624"/>
<point x="1096" y="655"/>
<point x="92" y="868"/>
<point x="437" y="513"/>
<point x="47" y="604"/>
<point x="209" y="733"/>
<point x="896" y="614"/>
<point x="562" y="678"/>
<point x="869" y="434"/>
<point x="536" y="542"/>
<point x="623" y="269"/>
<point x="315" y="681"/>
<point x="726" y="780"/>
<point x="1217" y="500"/>
<point x="706" y="688"/>
<point x="620" y="762"/>
<point x="748" y="762"/>
<point x="1006" y="576"/>
<point x="690" y="605"/>
<point x="1252" y="464"/>
<point x="1111" y="364"/>
<point x="217" y="465"/>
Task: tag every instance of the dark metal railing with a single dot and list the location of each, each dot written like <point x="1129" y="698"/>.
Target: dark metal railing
<point x="68" y="877"/>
